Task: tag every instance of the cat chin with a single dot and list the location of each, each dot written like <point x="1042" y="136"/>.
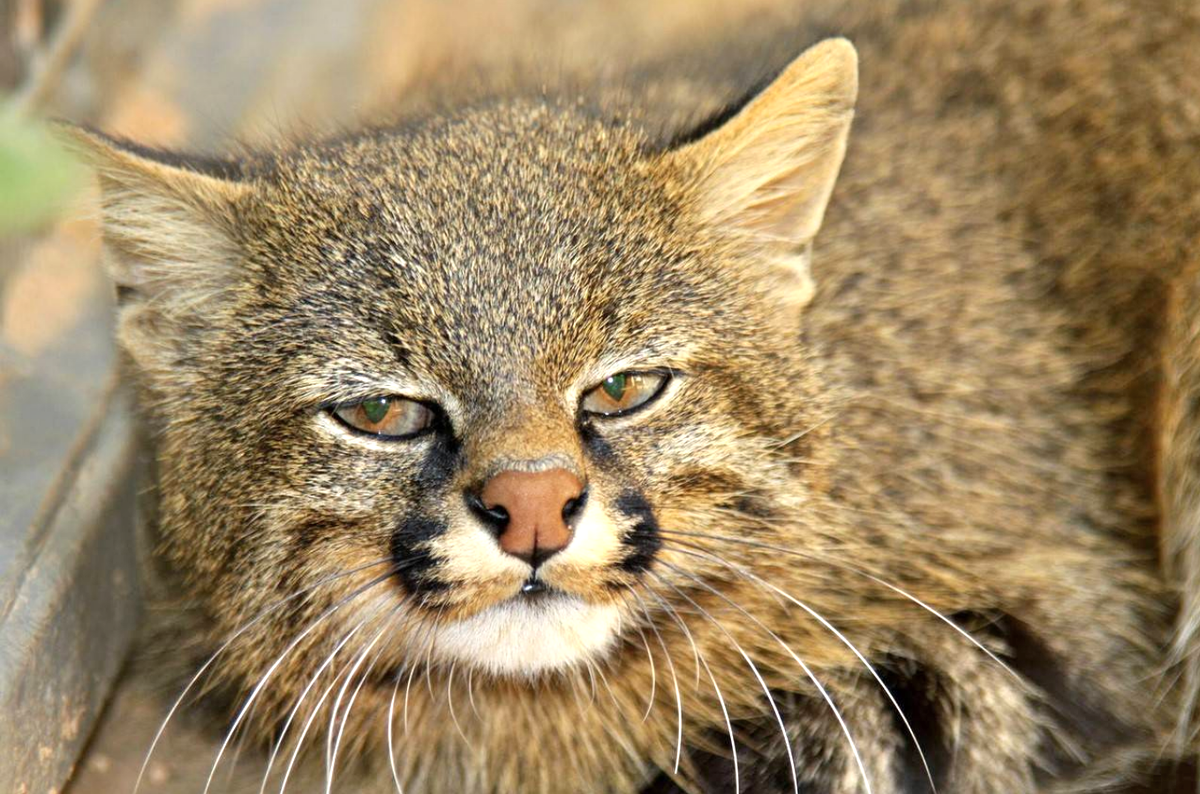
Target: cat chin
<point x="529" y="637"/>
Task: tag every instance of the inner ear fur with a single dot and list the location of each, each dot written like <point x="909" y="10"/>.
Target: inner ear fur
<point x="169" y="243"/>
<point x="766" y="175"/>
<point x="167" y="220"/>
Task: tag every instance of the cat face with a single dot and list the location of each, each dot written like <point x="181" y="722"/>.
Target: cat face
<point x="447" y="388"/>
<point x="502" y="316"/>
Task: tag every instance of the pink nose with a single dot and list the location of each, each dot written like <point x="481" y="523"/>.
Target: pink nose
<point x="532" y="511"/>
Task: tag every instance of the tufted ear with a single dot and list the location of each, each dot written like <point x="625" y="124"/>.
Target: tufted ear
<point x="169" y="231"/>
<point x="768" y="172"/>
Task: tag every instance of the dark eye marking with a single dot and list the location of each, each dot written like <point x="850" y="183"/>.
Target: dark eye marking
<point x="597" y="444"/>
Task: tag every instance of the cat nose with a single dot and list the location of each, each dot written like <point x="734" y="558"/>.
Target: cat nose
<point x="531" y="512"/>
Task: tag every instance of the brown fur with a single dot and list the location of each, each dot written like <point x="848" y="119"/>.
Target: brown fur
<point x="987" y="404"/>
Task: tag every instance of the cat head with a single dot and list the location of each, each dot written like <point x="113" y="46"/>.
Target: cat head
<point x="454" y="383"/>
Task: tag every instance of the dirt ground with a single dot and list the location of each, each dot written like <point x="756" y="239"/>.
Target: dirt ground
<point x="126" y="731"/>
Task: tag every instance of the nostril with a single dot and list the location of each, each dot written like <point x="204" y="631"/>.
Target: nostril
<point x="530" y="512"/>
<point x="495" y="517"/>
<point x="574" y="507"/>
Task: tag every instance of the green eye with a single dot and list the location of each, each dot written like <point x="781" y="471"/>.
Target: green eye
<point x="614" y="386"/>
<point x="623" y="392"/>
<point x="374" y="410"/>
<point x="387" y="417"/>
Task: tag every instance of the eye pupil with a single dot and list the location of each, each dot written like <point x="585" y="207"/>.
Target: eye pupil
<point x="376" y="410"/>
<point x="614" y="386"/>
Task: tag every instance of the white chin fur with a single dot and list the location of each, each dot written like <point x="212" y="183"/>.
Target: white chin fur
<point x="527" y="637"/>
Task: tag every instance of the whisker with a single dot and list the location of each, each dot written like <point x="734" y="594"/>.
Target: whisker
<point x="391" y="743"/>
<point x="802" y="433"/>
<point x="316" y="710"/>
<point x="358" y="688"/>
<point x="803" y="666"/>
<point x="846" y="567"/>
<point x="608" y="688"/>
<point x="237" y="751"/>
<point x="429" y="656"/>
<point x="674" y="615"/>
<point x="450" y="703"/>
<point x="675" y="685"/>
<point x="429" y="629"/>
<point x="653" y="674"/>
<point x="844" y="640"/>
<point x="332" y="745"/>
<point x="407" y="691"/>
<point x="225" y="646"/>
<point x="683" y="627"/>
<point x="279" y="660"/>
<point x="312" y="682"/>
<point x="300" y="701"/>
<point x="787" y="742"/>
<point x="471" y="692"/>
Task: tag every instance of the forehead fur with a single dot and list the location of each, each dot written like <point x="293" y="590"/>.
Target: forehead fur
<point x="493" y="237"/>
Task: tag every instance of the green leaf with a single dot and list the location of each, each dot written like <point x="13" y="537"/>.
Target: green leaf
<point x="38" y="176"/>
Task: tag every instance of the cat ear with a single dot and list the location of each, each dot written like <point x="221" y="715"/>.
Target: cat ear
<point x="168" y="224"/>
<point x="167" y="218"/>
<point x="767" y="173"/>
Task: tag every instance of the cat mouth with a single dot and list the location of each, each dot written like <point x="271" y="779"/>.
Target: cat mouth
<point x="535" y="589"/>
<point x="538" y="629"/>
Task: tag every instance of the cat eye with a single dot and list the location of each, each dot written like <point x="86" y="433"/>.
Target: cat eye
<point x="386" y="417"/>
<point x="623" y="393"/>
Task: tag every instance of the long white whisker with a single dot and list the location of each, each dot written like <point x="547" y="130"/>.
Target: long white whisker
<point x="899" y="591"/>
<point x="429" y="656"/>
<point x="471" y="692"/>
<point x="608" y="687"/>
<point x="300" y="702"/>
<point x="803" y="666"/>
<point x="450" y="704"/>
<point x="845" y="641"/>
<point x="407" y="691"/>
<point x="428" y="634"/>
<point x="700" y="660"/>
<point x="225" y="646"/>
<point x="354" y="696"/>
<point x="258" y="688"/>
<point x="675" y="685"/>
<point x="391" y="743"/>
<point x="787" y="742"/>
<point x="316" y="709"/>
<point x="653" y="674"/>
<point x="331" y="743"/>
<point x="304" y="695"/>
<point x="237" y="751"/>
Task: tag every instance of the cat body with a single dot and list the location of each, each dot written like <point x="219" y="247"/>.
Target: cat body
<point x="888" y="514"/>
